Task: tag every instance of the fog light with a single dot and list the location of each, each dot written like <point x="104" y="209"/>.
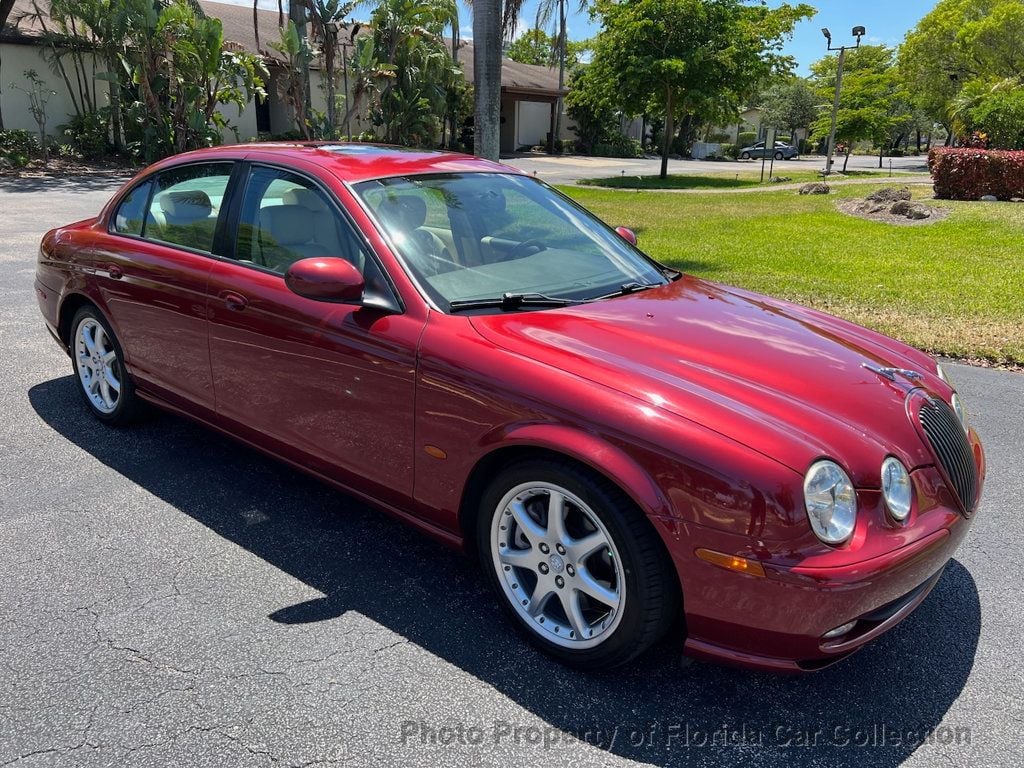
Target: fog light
<point x="839" y="631"/>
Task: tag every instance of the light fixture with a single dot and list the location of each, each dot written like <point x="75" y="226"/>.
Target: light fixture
<point x="827" y="34"/>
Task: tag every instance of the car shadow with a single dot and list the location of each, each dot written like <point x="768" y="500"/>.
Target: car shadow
<point x="873" y="709"/>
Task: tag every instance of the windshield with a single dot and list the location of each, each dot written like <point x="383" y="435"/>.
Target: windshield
<point x="477" y="236"/>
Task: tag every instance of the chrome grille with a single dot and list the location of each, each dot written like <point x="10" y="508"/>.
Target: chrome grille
<point x="951" y="448"/>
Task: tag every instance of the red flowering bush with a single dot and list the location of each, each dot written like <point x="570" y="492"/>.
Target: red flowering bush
<point x="965" y="173"/>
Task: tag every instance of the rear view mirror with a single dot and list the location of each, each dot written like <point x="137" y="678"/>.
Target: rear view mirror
<point x="627" y="234"/>
<point x="326" y="279"/>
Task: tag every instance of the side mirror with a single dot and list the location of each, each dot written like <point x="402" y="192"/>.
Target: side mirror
<point x="626" y="234"/>
<point x="326" y="279"/>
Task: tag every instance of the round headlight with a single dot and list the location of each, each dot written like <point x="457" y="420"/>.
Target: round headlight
<point x="958" y="408"/>
<point x="831" y="502"/>
<point x="896" y="488"/>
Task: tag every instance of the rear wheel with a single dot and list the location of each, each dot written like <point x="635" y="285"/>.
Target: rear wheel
<point x="745" y="156"/>
<point x="99" y="366"/>
<point x="575" y="563"/>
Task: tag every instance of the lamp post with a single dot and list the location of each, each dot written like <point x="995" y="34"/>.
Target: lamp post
<point x="857" y="32"/>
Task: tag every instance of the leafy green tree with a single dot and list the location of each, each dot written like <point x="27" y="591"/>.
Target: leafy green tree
<point x="687" y="60"/>
<point x="958" y="45"/>
<point x="535" y="46"/>
<point x="409" y="39"/>
<point x="790" y="105"/>
<point x="872" y="102"/>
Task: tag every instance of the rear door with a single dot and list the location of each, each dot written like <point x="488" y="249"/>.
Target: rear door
<point x="153" y="278"/>
<point x="327" y="385"/>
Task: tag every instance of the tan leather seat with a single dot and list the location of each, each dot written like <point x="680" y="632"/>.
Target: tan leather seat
<point x="404" y="216"/>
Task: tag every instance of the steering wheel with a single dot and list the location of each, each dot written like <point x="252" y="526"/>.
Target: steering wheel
<point x="526" y="248"/>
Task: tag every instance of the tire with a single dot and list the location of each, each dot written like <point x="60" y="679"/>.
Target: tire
<point x="745" y="156"/>
<point x="98" y="362"/>
<point x="594" y="593"/>
<point x="779" y="156"/>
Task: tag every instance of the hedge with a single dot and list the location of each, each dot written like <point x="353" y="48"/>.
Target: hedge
<point x="969" y="174"/>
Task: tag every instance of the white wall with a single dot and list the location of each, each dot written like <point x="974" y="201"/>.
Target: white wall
<point x="14" y="60"/>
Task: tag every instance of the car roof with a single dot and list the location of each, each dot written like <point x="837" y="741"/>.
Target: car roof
<point x="352" y="162"/>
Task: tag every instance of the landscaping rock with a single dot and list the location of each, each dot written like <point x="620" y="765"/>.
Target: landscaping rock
<point x="910" y="210"/>
<point x="989" y="199"/>
<point x="5" y="164"/>
<point x="779" y="179"/>
<point x="815" y="188"/>
<point x="1017" y="199"/>
<point x="890" y="194"/>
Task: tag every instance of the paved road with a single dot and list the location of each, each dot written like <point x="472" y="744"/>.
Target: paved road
<point x="567" y="170"/>
<point x="168" y="597"/>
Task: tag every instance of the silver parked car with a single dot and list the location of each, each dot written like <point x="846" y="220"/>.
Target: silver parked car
<point x="782" y="151"/>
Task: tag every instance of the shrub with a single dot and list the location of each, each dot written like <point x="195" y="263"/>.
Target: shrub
<point x="719" y="138"/>
<point x="746" y="138"/>
<point x="966" y="173"/>
<point x="730" y="150"/>
<point x="18" y="142"/>
<point x="617" y="145"/>
<point x="87" y="135"/>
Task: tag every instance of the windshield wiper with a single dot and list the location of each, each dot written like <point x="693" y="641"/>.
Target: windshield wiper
<point x="511" y="301"/>
<point x="625" y="288"/>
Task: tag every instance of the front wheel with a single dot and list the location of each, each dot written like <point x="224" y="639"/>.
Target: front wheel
<point x="575" y="564"/>
<point x="99" y="366"/>
<point x="779" y="156"/>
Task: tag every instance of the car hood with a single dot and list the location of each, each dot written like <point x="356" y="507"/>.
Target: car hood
<point x="782" y="379"/>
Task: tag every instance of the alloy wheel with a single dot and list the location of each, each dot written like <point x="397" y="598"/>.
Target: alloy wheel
<point x="99" y="370"/>
<point x="557" y="565"/>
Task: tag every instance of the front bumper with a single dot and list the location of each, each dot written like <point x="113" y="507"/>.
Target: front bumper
<point x="777" y="622"/>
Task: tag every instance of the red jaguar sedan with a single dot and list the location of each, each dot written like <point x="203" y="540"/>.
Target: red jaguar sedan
<point x="629" y="451"/>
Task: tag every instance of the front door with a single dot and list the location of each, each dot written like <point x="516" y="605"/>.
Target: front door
<point x="331" y="385"/>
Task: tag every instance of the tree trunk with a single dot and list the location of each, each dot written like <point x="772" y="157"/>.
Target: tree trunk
<point x="919" y="141"/>
<point x="881" y="151"/>
<point x="667" y="133"/>
<point x="562" y="53"/>
<point x="297" y="13"/>
<point x="487" y="78"/>
<point x="846" y="158"/>
<point x="256" y="23"/>
<point x="114" y="88"/>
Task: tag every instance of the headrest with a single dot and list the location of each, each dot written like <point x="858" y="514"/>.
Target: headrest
<point x="287" y="224"/>
<point x="403" y="212"/>
<point x="190" y="204"/>
<point x="307" y="198"/>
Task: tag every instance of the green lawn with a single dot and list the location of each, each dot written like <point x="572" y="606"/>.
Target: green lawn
<point x="955" y="287"/>
<point x="747" y="177"/>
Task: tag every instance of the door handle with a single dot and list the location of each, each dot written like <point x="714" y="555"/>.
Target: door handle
<point x="115" y="272"/>
<point x="235" y="301"/>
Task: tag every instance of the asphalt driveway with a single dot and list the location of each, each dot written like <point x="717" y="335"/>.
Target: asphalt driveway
<point x="169" y="597"/>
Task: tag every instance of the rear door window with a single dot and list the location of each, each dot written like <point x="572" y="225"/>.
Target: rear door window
<point x="186" y="204"/>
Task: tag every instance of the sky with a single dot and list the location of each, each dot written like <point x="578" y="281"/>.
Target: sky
<point x="887" y="21"/>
